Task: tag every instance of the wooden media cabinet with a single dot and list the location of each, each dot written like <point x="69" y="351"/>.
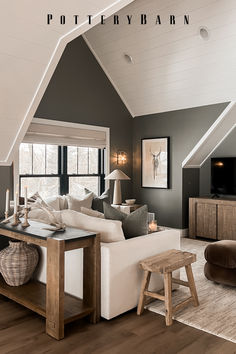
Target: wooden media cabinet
<point x="212" y="218"/>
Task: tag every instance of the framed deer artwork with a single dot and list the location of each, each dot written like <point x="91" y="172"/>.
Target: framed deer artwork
<point x="155" y="162"/>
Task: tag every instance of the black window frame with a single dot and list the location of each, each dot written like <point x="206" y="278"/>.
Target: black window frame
<point x="63" y="171"/>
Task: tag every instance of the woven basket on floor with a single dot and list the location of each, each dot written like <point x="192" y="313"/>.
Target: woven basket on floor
<point x="18" y="262"/>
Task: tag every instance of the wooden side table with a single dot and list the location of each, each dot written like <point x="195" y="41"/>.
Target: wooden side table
<point x="49" y="300"/>
<point x="165" y="263"/>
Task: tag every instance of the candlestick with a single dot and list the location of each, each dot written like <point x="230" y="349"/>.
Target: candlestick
<point x="18" y="194"/>
<point x="16" y="220"/>
<point x="26" y="223"/>
<point x="6" y="220"/>
<point x="7" y="201"/>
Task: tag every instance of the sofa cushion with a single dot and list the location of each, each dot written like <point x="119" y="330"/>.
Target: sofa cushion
<point x="92" y="212"/>
<point x="75" y="202"/>
<point x="110" y="230"/>
<point x="222" y="253"/>
<point x="39" y="215"/>
<point x="97" y="203"/>
<point x="54" y="202"/>
<point x="134" y="224"/>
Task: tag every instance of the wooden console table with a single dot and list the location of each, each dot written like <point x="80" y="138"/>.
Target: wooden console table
<point x="49" y="300"/>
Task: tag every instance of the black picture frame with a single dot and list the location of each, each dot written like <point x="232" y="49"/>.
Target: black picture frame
<point x="155" y="173"/>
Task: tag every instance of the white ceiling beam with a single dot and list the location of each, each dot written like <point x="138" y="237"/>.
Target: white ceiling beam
<point x="219" y="130"/>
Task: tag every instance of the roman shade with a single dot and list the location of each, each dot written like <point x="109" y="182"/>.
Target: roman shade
<point x="65" y="135"/>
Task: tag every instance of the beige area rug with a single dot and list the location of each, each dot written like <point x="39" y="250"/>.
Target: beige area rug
<point x="217" y="311"/>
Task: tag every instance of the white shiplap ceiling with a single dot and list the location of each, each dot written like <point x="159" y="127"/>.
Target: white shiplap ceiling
<point x="29" y="52"/>
<point x="173" y="67"/>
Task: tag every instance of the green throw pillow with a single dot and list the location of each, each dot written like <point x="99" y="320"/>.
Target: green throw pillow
<point x="97" y="203"/>
<point x="134" y="224"/>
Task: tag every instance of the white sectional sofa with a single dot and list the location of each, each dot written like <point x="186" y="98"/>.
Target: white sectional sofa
<point x="120" y="273"/>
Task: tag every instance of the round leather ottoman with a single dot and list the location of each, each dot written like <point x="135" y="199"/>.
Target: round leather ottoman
<point x="221" y="262"/>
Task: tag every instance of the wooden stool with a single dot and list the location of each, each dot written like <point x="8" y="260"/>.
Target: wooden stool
<point x="165" y="263"/>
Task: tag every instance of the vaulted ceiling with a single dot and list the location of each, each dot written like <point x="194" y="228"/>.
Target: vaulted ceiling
<point x="29" y="52"/>
<point x="173" y="66"/>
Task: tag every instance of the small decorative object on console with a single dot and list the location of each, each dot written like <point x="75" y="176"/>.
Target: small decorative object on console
<point x="26" y="222"/>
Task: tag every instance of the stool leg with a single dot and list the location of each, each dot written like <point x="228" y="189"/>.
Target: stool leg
<point x="168" y="298"/>
<point x="192" y="286"/>
<point x="144" y="287"/>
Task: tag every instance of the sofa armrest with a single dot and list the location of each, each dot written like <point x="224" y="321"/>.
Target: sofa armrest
<point x="121" y="275"/>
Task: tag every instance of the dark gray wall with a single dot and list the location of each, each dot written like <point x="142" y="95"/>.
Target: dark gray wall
<point x="185" y="128"/>
<point x="226" y="149"/>
<point x="190" y="185"/>
<point x="6" y="178"/>
<point x="80" y="92"/>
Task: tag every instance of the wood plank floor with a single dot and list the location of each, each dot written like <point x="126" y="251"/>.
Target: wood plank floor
<point x="22" y="332"/>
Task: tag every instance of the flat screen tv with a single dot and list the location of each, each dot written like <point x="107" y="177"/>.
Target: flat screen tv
<point x="223" y="176"/>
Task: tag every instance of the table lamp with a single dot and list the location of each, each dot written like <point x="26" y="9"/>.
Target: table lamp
<point x="117" y="176"/>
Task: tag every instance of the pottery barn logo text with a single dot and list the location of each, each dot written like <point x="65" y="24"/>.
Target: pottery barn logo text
<point x="143" y="19"/>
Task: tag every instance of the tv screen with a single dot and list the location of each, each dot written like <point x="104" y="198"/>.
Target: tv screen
<point x="223" y="175"/>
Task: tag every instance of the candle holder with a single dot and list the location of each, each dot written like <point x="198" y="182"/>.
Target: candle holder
<point x="152" y="226"/>
<point x="6" y="220"/>
<point x="26" y="213"/>
<point x="16" y="220"/>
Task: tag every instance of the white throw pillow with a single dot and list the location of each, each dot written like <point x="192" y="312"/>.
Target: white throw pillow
<point x="92" y="212"/>
<point x="39" y="215"/>
<point x="110" y="230"/>
<point x="75" y="202"/>
<point x="63" y="202"/>
<point x="54" y="202"/>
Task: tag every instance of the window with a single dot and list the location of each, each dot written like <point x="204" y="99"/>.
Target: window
<point x="52" y="169"/>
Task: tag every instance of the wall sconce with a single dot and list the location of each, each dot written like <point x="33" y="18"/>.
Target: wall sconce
<point x="121" y="158"/>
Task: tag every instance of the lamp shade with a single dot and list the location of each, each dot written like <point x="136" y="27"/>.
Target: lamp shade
<point x="117" y="175"/>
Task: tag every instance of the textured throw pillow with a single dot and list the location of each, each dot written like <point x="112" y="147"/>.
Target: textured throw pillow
<point x="109" y="230"/>
<point x="54" y="202"/>
<point x="92" y="212"/>
<point x="97" y="203"/>
<point x="39" y="215"/>
<point x="134" y="224"/>
<point x="75" y="203"/>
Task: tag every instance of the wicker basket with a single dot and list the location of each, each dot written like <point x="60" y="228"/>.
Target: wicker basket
<point x="18" y="262"/>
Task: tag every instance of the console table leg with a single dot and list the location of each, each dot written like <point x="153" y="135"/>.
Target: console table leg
<point x="92" y="278"/>
<point x="55" y="288"/>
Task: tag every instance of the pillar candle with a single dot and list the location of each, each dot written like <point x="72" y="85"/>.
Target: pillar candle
<point x="15" y="203"/>
<point x="7" y="200"/>
<point x="18" y="194"/>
